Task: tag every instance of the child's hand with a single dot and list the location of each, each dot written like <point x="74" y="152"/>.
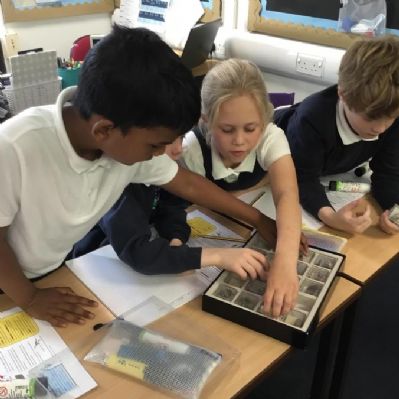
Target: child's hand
<point x="352" y="218"/>
<point x="355" y="219"/>
<point x="175" y="242"/>
<point x="386" y="225"/>
<point x="60" y="306"/>
<point x="281" y="289"/>
<point x="245" y="262"/>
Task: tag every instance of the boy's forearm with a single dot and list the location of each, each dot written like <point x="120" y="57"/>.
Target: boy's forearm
<point x="329" y="217"/>
<point x="313" y="196"/>
<point x="201" y="191"/>
<point x="13" y="282"/>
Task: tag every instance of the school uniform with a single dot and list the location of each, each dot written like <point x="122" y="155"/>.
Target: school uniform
<point x="323" y="143"/>
<point x="204" y="159"/>
<point x="127" y="227"/>
<point x="49" y="196"/>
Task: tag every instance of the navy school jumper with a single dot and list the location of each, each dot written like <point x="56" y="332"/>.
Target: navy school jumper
<point x="127" y="227"/>
<point x="317" y="150"/>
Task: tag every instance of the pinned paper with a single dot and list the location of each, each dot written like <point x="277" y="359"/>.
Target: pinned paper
<point x="181" y="16"/>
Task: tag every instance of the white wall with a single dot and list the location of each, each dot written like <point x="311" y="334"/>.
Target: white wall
<point x="276" y="56"/>
<point x="58" y="34"/>
<point x="279" y="55"/>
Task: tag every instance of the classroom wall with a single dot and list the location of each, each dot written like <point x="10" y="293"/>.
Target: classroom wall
<point x="280" y="56"/>
<point x="58" y="34"/>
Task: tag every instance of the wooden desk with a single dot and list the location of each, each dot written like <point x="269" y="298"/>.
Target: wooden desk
<point x="258" y="353"/>
<point x="370" y="252"/>
<point x="367" y="254"/>
<point x="63" y="277"/>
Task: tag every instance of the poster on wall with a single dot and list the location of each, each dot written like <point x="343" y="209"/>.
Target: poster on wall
<point x="212" y="8"/>
<point x="31" y="10"/>
<point x="308" y="20"/>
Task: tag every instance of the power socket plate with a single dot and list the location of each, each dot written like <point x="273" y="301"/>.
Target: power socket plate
<point x="311" y="65"/>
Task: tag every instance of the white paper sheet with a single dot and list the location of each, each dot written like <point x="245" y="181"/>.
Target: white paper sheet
<point x="251" y="196"/>
<point x="171" y="19"/>
<point x="125" y="291"/>
<point x="338" y="199"/>
<point x="135" y="13"/>
<point x="28" y="345"/>
<point x="121" y="288"/>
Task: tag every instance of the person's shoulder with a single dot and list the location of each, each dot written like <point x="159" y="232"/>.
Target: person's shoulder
<point x="192" y="152"/>
<point x="159" y="161"/>
<point x="392" y="132"/>
<point x="272" y="128"/>
<point x="316" y="108"/>
<point x="273" y="133"/>
<point x="324" y="100"/>
<point x="32" y="119"/>
<point x="190" y="140"/>
<point x="156" y="171"/>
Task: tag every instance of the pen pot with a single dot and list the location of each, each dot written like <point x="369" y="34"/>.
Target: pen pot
<point x="70" y="76"/>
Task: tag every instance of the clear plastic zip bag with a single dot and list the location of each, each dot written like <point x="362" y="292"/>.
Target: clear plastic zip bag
<point x="364" y="17"/>
<point x="174" y="354"/>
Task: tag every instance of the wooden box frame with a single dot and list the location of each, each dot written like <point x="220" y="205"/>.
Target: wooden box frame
<point x="306" y="33"/>
<point x="12" y="14"/>
<point x="212" y="13"/>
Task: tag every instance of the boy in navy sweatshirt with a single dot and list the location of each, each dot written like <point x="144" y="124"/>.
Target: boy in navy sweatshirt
<point x="343" y="126"/>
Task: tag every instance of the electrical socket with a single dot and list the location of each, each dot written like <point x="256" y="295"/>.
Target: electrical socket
<point x="311" y="65"/>
<point x="219" y="50"/>
<point x="11" y="42"/>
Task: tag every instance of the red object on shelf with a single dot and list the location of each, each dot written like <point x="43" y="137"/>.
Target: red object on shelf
<point x="80" y="48"/>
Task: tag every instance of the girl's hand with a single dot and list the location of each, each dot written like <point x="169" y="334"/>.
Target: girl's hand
<point x="281" y="288"/>
<point x="245" y="262"/>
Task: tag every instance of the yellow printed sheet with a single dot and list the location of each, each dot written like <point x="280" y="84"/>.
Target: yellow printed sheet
<point x="15" y="328"/>
<point x="200" y="226"/>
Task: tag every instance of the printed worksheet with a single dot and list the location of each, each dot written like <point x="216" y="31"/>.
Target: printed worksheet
<point x="206" y="232"/>
<point x="33" y="348"/>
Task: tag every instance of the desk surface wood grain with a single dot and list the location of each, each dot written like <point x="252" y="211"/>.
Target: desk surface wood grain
<point x="369" y="252"/>
<point x="257" y="352"/>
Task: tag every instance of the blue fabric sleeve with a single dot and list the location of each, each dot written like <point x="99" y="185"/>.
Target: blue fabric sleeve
<point x="385" y="167"/>
<point x="307" y="151"/>
<point x="170" y="217"/>
<point x="127" y="227"/>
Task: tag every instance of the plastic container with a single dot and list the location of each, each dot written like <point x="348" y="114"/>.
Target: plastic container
<point x="70" y="77"/>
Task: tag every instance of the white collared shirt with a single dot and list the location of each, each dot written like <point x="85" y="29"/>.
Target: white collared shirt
<point x="50" y="197"/>
<point x="348" y="136"/>
<point x="272" y="145"/>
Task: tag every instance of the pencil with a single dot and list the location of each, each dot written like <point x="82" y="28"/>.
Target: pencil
<point x="256" y="198"/>
<point x="233" y="239"/>
<point x="247" y="226"/>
